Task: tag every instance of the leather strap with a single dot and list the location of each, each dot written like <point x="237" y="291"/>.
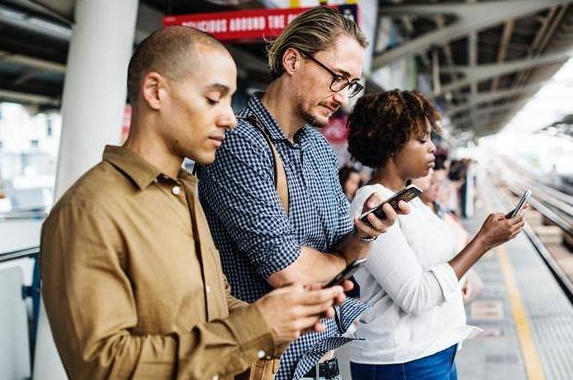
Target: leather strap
<point x="279" y="171"/>
<point x="266" y="369"/>
<point x="281" y="185"/>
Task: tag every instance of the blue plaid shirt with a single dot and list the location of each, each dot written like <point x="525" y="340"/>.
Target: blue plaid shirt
<point x="254" y="234"/>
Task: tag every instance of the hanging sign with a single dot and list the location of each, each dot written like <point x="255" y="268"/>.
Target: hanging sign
<point x="248" y="25"/>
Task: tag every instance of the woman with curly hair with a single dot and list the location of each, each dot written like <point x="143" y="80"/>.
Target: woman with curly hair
<point x="413" y="271"/>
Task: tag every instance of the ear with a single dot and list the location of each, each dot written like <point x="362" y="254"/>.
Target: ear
<point x="291" y="60"/>
<point x="151" y="86"/>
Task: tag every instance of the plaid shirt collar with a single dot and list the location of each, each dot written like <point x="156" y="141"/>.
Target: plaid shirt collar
<point x="256" y="106"/>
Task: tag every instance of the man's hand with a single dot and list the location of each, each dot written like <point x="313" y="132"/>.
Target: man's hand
<point x="347" y="286"/>
<point x="293" y="310"/>
<point x="353" y="245"/>
<point x="378" y="226"/>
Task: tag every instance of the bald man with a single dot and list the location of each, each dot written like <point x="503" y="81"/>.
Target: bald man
<point x="132" y="281"/>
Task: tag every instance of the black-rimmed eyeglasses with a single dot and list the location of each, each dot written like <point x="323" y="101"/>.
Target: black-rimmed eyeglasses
<point x="339" y="82"/>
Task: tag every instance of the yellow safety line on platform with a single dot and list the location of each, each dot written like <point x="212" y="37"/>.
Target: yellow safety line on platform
<point x="533" y="365"/>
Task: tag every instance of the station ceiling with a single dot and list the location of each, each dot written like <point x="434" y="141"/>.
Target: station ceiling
<point x="483" y="59"/>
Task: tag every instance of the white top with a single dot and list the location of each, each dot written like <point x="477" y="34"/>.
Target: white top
<point x="417" y="307"/>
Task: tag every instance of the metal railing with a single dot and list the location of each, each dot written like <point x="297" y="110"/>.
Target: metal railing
<point x="19" y="254"/>
<point x="554" y="205"/>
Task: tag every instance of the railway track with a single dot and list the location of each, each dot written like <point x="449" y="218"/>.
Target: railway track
<point x="550" y="225"/>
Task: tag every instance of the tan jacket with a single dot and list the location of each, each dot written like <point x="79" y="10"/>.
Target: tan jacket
<point x="132" y="281"/>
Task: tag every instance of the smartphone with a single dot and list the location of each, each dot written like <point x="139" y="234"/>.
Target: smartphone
<point x="513" y="213"/>
<point x="346" y="273"/>
<point x="406" y="195"/>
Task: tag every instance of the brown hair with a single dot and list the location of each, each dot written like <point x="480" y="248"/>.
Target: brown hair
<point x="381" y="124"/>
<point x="315" y="30"/>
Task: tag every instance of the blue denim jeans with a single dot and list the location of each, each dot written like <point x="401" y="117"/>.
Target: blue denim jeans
<point x="439" y="366"/>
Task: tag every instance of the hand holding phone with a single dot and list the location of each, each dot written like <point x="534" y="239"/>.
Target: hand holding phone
<point x="346" y="273"/>
<point x="406" y="195"/>
<point x="513" y="213"/>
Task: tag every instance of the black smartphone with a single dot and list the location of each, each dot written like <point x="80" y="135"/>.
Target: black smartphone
<point x="513" y="213"/>
<point x="406" y="195"/>
<point x="346" y="273"/>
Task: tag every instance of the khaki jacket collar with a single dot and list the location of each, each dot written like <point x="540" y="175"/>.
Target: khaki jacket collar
<point x="141" y="171"/>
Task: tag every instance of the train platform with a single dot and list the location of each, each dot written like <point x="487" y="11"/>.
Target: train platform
<point x="526" y="316"/>
<point x="525" y="312"/>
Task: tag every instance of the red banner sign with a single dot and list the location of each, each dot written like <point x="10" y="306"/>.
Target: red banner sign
<point x="248" y="25"/>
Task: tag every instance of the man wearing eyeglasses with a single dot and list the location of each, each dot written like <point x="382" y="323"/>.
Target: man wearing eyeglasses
<point x="265" y="241"/>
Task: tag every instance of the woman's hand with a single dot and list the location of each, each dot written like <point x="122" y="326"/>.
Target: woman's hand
<point x="497" y="229"/>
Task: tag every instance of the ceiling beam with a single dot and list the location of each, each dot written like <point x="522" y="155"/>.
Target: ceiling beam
<point x="545" y="33"/>
<point x="63" y="8"/>
<point x="8" y="83"/>
<point x="148" y="20"/>
<point x="21" y="97"/>
<point x="495" y="108"/>
<point x="488" y="71"/>
<point x="476" y="125"/>
<point x="487" y="129"/>
<point x="472" y="60"/>
<point x="484" y="97"/>
<point x="470" y="17"/>
<point x="470" y="122"/>
<point x="502" y="52"/>
<point x="35" y="63"/>
<point x="22" y="20"/>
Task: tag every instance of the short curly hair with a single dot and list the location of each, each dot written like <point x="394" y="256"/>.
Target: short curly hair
<point x="382" y="123"/>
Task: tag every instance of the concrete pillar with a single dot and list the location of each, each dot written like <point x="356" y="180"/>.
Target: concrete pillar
<point x="95" y="85"/>
<point x="92" y="113"/>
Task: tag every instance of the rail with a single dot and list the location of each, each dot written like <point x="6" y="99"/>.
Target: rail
<point x="553" y="205"/>
<point x="32" y="252"/>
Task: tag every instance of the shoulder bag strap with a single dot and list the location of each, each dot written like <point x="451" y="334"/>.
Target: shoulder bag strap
<point x="281" y="185"/>
<point x="279" y="171"/>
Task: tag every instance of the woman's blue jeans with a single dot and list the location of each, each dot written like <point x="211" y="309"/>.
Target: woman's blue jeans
<point x="439" y="366"/>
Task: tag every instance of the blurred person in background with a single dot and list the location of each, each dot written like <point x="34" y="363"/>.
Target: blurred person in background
<point x="432" y="186"/>
<point x="413" y="272"/>
<point x="456" y="178"/>
<point x="350" y="180"/>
